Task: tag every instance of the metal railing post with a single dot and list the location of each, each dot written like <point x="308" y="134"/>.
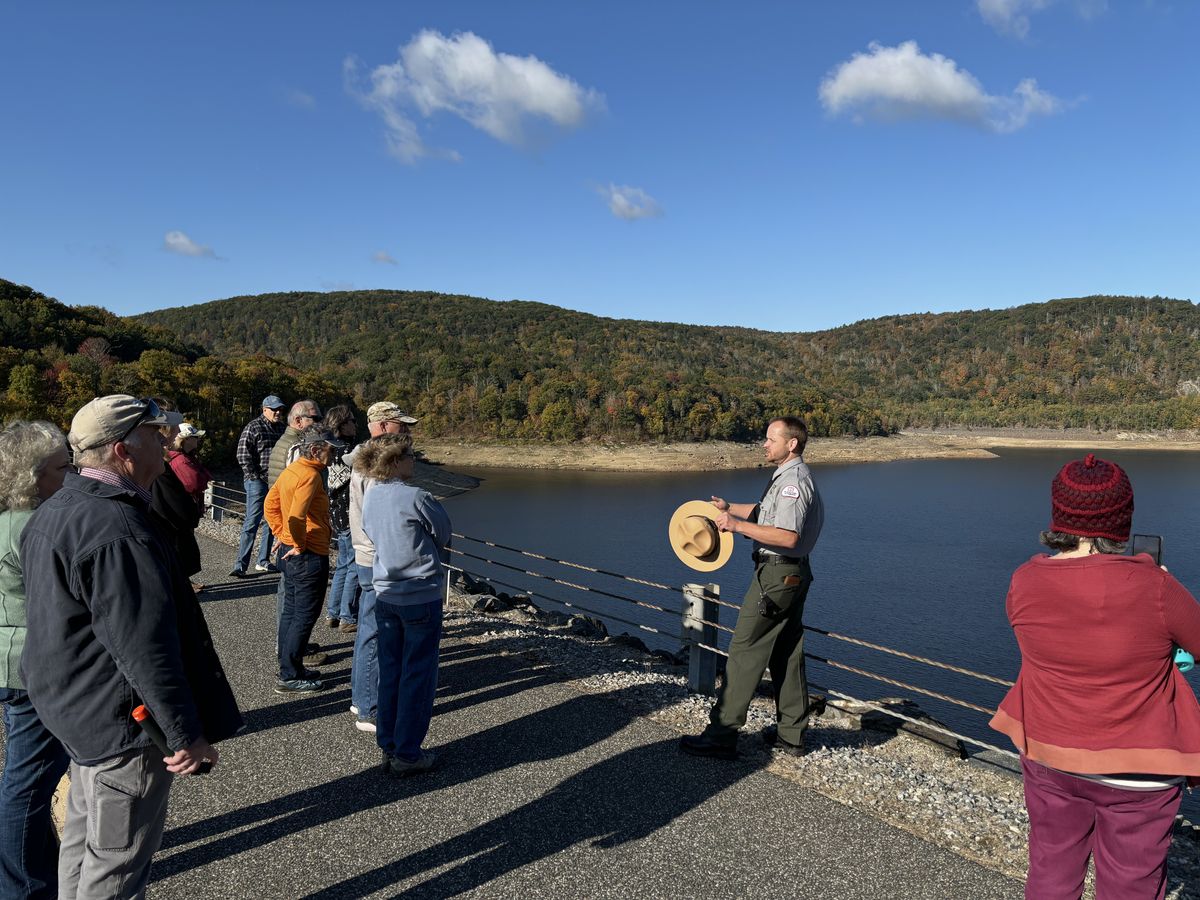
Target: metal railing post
<point x="215" y="512"/>
<point x="698" y="608"/>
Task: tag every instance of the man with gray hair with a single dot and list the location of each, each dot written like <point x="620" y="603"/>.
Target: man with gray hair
<point x="113" y="624"/>
<point x="303" y="414"/>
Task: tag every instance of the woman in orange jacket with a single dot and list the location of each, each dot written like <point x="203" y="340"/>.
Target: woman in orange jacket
<point x="297" y="511"/>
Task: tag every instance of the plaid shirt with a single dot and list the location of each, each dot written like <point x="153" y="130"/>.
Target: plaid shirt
<point x="254" y="447"/>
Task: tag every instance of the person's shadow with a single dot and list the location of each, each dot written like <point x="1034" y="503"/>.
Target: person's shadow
<point x="620" y="799"/>
<point x="561" y="730"/>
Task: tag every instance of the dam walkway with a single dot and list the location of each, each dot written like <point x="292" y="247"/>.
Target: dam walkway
<point x="540" y="791"/>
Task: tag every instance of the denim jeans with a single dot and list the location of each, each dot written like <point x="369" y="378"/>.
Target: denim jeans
<point x="34" y="761"/>
<point x="364" y="673"/>
<point x="305" y="577"/>
<point x="116" y="810"/>
<point x="408" y="670"/>
<point x="343" y="593"/>
<point x="256" y="493"/>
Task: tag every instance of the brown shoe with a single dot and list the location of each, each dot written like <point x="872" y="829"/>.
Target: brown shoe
<point x="315" y="659"/>
<point x="348" y="628"/>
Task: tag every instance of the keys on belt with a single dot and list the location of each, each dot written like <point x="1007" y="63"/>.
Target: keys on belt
<point x="762" y="556"/>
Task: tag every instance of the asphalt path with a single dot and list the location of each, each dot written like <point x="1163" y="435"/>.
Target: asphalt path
<point x="540" y="791"/>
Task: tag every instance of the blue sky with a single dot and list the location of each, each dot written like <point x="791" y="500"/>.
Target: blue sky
<point x="789" y="166"/>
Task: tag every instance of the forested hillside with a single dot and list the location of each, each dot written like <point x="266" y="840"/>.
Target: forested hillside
<point x="531" y="370"/>
<point x="474" y="367"/>
<point x="55" y="358"/>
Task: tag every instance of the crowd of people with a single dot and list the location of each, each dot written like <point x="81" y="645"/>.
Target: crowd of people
<point x="109" y="670"/>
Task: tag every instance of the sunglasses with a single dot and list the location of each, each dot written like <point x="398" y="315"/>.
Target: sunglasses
<point x="149" y="414"/>
<point x="316" y="418"/>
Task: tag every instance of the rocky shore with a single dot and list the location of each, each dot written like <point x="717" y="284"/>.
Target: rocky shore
<point x="715" y="455"/>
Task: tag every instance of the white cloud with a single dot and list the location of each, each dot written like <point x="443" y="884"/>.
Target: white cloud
<point x="382" y="256"/>
<point x="1012" y="16"/>
<point x="331" y="285"/>
<point x="630" y="203"/>
<point x="178" y="242"/>
<point x="500" y="94"/>
<point x="894" y="83"/>
<point x="301" y="100"/>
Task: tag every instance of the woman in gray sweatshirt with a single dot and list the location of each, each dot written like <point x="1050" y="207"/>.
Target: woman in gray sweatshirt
<point x="410" y="531"/>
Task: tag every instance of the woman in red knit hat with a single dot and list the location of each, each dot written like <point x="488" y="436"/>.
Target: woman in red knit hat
<point x="1107" y="728"/>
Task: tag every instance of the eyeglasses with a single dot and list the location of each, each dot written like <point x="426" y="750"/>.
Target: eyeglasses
<point x="149" y="414"/>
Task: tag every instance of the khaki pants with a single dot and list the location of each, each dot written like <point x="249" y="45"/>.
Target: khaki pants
<point x="774" y="641"/>
<point x="115" y="815"/>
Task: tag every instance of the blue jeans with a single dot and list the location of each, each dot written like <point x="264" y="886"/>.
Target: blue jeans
<point x="34" y="761"/>
<point x="408" y="670"/>
<point x="304" y="582"/>
<point x="343" y="593"/>
<point x="256" y="493"/>
<point x="364" y="673"/>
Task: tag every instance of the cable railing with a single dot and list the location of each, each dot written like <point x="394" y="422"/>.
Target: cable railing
<point x="695" y="607"/>
<point x="698" y="607"/>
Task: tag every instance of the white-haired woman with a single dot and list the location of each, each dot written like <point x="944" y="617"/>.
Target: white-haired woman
<point x="33" y="462"/>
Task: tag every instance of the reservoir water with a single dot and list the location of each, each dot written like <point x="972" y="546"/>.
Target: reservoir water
<point x="915" y="555"/>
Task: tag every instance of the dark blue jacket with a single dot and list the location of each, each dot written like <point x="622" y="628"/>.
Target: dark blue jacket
<point x="113" y="622"/>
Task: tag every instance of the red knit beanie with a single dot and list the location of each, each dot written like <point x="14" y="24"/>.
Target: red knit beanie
<point x="1092" y="498"/>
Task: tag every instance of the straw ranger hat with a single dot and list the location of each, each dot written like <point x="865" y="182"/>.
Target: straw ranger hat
<point x="695" y="538"/>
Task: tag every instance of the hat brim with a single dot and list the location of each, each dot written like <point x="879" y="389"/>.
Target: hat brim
<point x="701" y="563"/>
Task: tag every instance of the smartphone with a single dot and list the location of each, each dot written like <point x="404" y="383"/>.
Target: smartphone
<point x="1147" y="543"/>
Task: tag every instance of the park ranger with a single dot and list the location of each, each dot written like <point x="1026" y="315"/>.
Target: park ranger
<point x="784" y="526"/>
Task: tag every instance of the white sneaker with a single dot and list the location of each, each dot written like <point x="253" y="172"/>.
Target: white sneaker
<point x="260" y="568"/>
<point x="354" y="709"/>
<point x="365" y="725"/>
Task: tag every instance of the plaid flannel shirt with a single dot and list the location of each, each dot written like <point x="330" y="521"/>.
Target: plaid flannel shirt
<point x="254" y="447"/>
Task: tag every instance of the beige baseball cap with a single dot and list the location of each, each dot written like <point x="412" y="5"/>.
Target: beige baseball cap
<point x="106" y="420"/>
<point x="387" y="411"/>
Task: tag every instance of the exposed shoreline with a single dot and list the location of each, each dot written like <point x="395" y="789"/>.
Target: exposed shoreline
<point x="716" y="455"/>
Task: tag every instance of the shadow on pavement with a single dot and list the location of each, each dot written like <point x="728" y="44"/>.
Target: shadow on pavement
<point x="593" y="805"/>
<point x="567" y="728"/>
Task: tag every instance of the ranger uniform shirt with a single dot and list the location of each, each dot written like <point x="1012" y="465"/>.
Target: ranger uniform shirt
<point x="793" y="503"/>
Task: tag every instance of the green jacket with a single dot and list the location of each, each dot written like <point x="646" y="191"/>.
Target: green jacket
<point x="12" y="597"/>
<point x="279" y="454"/>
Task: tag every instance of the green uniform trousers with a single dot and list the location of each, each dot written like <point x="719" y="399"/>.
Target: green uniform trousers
<point x="769" y="635"/>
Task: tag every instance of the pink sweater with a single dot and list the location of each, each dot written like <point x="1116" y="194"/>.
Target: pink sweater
<point x="1098" y="691"/>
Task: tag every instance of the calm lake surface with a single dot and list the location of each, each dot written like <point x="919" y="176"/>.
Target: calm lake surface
<point x="915" y="555"/>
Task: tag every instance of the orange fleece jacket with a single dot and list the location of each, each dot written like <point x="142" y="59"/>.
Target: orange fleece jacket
<point x="297" y="507"/>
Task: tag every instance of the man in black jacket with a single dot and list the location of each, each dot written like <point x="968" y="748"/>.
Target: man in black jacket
<point x="113" y="624"/>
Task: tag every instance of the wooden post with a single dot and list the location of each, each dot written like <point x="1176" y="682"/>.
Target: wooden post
<point x="699" y="607"/>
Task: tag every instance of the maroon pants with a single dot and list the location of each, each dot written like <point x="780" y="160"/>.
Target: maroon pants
<point x="1128" y="832"/>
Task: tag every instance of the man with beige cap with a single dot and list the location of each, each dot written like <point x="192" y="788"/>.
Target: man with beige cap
<point x="384" y="417"/>
<point x="113" y="624"/>
<point x="784" y="526"/>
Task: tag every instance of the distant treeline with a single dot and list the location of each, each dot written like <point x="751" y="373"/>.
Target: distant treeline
<point x="472" y="367"/>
